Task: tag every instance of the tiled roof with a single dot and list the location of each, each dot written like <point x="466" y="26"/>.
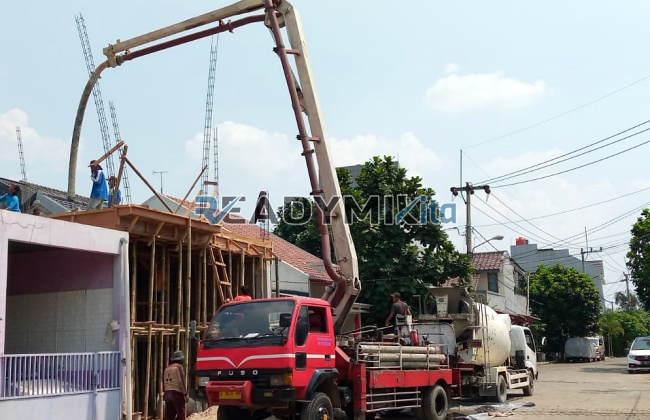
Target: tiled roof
<point x="60" y="197"/>
<point x="488" y="261"/>
<point x="455" y="280"/>
<point x="285" y="251"/>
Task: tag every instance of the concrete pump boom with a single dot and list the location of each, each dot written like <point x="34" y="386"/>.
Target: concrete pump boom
<point x="326" y="190"/>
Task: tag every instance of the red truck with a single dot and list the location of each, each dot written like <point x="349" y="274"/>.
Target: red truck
<point x="280" y="356"/>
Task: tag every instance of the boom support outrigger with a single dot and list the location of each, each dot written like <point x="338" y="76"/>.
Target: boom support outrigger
<point x="326" y="191"/>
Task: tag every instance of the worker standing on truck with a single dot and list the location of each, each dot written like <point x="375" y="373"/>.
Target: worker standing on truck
<point x="175" y="395"/>
<point x="399" y="308"/>
<point x="11" y="198"/>
<point x="244" y="294"/>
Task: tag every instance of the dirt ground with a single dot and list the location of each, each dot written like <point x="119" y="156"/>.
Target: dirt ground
<point x="599" y="390"/>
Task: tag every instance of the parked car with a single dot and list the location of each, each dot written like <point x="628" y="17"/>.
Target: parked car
<point x="638" y="358"/>
<point x="581" y="349"/>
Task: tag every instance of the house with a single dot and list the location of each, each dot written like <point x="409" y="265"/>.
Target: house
<point x="529" y="256"/>
<point x="496" y="280"/>
<point x="64" y="329"/>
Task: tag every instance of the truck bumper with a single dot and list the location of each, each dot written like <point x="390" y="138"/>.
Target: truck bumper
<point x="242" y="393"/>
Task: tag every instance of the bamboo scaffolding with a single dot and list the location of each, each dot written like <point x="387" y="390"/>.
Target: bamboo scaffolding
<point x="188" y="291"/>
<point x="147" y="377"/>
<point x="152" y="276"/>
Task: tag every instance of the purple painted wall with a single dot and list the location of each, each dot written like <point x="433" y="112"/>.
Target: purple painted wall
<point x="59" y="270"/>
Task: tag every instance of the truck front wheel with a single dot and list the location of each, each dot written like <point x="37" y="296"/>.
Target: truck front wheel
<point x="319" y="408"/>
<point x="502" y="389"/>
<point x="528" y="391"/>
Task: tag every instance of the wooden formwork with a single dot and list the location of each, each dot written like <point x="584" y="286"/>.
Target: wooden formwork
<point x="181" y="269"/>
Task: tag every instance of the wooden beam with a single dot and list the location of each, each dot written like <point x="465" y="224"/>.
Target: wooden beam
<point x="119" y="175"/>
<point x="191" y="188"/>
<point x="110" y="152"/>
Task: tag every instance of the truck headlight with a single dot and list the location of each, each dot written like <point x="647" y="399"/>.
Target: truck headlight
<point x="203" y="380"/>
<point x="281" y="380"/>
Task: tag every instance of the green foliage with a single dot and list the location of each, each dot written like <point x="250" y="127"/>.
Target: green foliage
<point x="639" y="257"/>
<point x="567" y="301"/>
<point x="388" y="253"/>
<point x="623" y="327"/>
<point x="621" y="299"/>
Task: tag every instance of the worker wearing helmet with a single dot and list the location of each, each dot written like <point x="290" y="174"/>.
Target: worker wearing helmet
<point x="399" y="308"/>
<point x="175" y="395"/>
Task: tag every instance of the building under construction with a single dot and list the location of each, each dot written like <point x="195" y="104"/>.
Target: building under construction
<point x="181" y="270"/>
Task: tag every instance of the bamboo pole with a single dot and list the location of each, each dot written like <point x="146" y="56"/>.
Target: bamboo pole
<point x="134" y="278"/>
<point x="230" y="264"/>
<point x="153" y="372"/>
<point x="204" y="267"/>
<point x="147" y="377"/>
<point x="152" y="276"/>
<point x="199" y="284"/>
<point x="188" y="291"/>
<point x="179" y="302"/>
<point x="110" y="152"/>
<point x="242" y="268"/>
<point x="164" y="285"/>
<point x="120" y="171"/>
<point x="190" y="190"/>
<point x="161" y="369"/>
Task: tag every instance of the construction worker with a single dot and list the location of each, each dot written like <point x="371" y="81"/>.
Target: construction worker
<point x="99" y="192"/>
<point x="399" y="308"/>
<point x="244" y="294"/>
<point x="112" y="194"/>
<point x="11" y="198"/>
<point x="175" y="390"/>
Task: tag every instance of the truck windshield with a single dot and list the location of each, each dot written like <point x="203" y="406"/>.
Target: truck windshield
<point x="248" y="324"/>
<point x="594" y="341"/>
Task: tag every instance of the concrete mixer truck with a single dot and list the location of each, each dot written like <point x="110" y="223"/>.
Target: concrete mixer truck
<point x="489" y="355"/>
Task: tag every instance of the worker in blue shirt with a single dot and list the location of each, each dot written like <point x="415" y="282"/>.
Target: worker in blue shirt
<point x="99" y="192"/>
<point x="112" y="194"/>
<point x="11" y="198"/>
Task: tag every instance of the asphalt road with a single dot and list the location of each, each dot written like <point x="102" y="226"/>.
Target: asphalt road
<point x="599" y="390"/>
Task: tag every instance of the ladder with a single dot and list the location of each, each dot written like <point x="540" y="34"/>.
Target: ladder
<point x="220" y="274"/>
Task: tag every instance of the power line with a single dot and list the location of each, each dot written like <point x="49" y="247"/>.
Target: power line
<point x="551" y="162"/>
<point x="575" y="209"/>
<point x="575" y="168"/>
<point x="559" y="115"/>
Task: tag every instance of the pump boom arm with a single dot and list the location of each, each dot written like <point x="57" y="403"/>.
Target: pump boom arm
<point x="313" y="137"/>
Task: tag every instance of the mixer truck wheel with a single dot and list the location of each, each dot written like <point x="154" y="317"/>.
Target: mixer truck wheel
<point x="319" y="408"/>
<point x="502" y="389"/>
<point x="434" y="404"/>
<point x="528" y="391"/>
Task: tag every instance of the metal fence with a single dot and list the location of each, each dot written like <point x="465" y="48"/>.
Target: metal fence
<point x="26" y="375"/>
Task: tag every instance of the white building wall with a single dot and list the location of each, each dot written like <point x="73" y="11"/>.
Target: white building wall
<point x="291" y="279"/>
<point x="62" y="322"/>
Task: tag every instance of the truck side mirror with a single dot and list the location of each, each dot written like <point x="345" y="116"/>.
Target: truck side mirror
<point x="543" y="341"/>
<point x="192" y="329"/>
<point x="285" y="320"/>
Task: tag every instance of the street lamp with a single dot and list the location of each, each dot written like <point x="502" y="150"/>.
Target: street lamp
<point x="494" y="238"/>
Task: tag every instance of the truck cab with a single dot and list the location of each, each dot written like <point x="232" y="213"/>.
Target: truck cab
<point x="523" y="345"/>
<point x="265" y="353"/>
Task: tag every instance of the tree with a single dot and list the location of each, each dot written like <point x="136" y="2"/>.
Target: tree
<point x="567" y="301"/>
<point x="623" y="327"/>
<point x="639" y="257"/>
<point x="405" y="256"/>
<point x="621" y="300"/>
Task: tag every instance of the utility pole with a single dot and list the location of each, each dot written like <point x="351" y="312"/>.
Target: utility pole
<point x="161" y="178"/>
<point x="627" y="287"/>
<point x="587" y="251"/>
<point x="469" y="190"/>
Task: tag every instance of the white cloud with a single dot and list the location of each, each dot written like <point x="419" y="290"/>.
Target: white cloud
<point x="39" y="150"/>
<point x="455" y="92"/>
<point x="252" y="159"/>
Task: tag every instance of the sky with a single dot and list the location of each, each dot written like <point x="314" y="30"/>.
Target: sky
<point x="510" y="84"/>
